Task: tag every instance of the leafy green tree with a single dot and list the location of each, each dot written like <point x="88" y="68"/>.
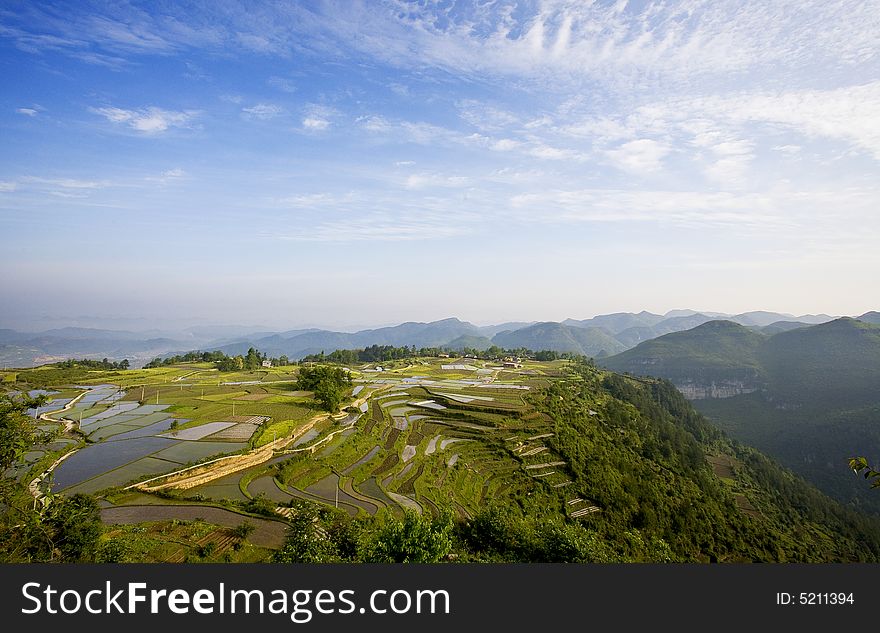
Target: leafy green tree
<point x="253" y="360"/>
<point x="243" y="530"/>
<point x="416" y="539"/>
<point x="329" y="395"/>
<point x="112" y="551"/>
<point x="54" y="529"/>
<point x="328" y="383"/>
<point x="859" y="466"/>
<point x="260" y="504"/>
<point x="76" y="527"/>
<point x="17" y="430"/>
<point x="307" y="540"/>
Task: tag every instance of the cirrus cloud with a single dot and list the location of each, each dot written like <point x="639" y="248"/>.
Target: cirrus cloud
<point x="148" y="121"/>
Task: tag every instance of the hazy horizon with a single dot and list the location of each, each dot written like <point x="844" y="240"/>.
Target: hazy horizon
<point x="347" y="165"/>
<point x="172" y="324"/>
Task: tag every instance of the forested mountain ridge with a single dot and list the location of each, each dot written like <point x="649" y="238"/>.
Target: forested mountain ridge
<point x="809" y="396"/>
<point x="714" y="353"/>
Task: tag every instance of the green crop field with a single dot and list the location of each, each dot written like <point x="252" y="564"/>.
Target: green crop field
<point x="418" y="438"/>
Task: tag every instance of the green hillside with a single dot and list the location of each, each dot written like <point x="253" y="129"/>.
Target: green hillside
<point x="817" y="397"/>
<point x="469" y="341"/>
<point x="714" y="351"/>
<point x="592" y="341"/>
<point x="833" y="365"/>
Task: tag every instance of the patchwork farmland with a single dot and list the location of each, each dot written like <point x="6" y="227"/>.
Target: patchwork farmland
<point x="422" y="436"/>
<point x="541" y="461"/>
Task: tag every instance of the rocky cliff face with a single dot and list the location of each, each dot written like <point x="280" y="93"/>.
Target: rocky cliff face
<point x="698" y="390"/>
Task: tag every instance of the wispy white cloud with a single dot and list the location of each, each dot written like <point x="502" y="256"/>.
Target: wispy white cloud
<point x="639" y="156"/>
<point x="788" y="150"/>
<point x="486" y="117"/>
<point x="315" y="123"/>
<point x="317" y="118"/>
<point x="418" y="132"/>
<point x="314" y="200"/>
<point x="842" y="114"/>
<point x="7" y="186"/>
<point x="374" y="123"/>
<point x="262" y="111"/>
<point x="148" y="121"/>
<point x="375" y="228"/>
<point x="429" y="180"/>
<point x="785" y="211"/>
<point x="28" y="111"/>
<point x="67" y="183"/>
<point x="505" y="145"/>
<point x="616" y="41"/>
<point x="256" y="42"/>
<point x="282" y="84"/>
<point x="168" y="176"/>
<point x="547" y="40"/>
<point x="424" y="133"/>
<point x="401" y="90"/>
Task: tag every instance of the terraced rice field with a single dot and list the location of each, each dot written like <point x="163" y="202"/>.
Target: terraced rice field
<point x="127" y="441"/>
<point x="400" y="457"/>
<point x="423" y="438"/>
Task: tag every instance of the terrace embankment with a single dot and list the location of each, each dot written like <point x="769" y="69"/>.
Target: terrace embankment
<point x="267" y="533"/>
<point x="209" y="471"/>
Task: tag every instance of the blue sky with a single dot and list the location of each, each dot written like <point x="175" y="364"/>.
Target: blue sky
<point x="353" y="163"/>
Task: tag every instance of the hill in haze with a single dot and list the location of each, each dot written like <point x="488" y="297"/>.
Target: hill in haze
<point x="590" y="341"/>
<point x="715" y="359"/>
<point x="599" y="336"/>
<point x="870" y="317"/>
<point x="808" y="396"/>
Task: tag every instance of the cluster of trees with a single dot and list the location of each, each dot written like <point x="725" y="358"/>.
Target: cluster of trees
<point x="371" y="354"/>
<point x="250" y="361"/>
<point x="190" y="357"/>
<point x="328" y="383"/>
<point x="55" y="529"/>
<point x="317" y="535"/>
<point x="498" y="533"/>
<point x="105" y="363"/>
<point x="381" y="353"/>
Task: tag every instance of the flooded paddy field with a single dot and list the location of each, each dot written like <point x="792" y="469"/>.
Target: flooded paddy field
<point x="418" y="438"/>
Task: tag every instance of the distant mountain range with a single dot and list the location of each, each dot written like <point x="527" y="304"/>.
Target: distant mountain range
<point x="599" y="337"/>
<point x="809" y="396"/>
